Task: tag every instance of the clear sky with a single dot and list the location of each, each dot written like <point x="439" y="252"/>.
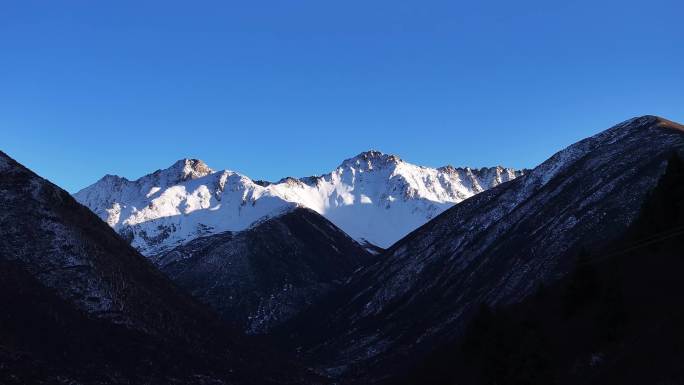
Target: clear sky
<point x="290" y="87"/>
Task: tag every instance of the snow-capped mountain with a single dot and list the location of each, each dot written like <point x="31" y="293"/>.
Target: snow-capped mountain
<point x="495" y="249"/>
<point x="81" y="306"/>
<point x="374" y="197"/>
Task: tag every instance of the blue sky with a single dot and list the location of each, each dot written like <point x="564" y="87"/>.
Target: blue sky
<point x="276" y="88"/>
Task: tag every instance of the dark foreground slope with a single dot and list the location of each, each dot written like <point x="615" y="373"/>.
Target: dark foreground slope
<point x="44" y="339"/>
<point x="265" y="275"/>
<point x="80" y="305"/>
<point x="495" y="248"/>
<point x="615" y="320"/>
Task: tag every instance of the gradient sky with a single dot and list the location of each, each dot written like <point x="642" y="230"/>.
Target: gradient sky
<point x="277" y="88"/>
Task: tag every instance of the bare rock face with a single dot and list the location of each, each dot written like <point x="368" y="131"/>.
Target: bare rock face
<point x="493" y="248"/>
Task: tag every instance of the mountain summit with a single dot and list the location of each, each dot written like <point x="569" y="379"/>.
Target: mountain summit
<point x="374" y="197"/>
<point x="190" y="169"/>
<point x="369" y="159"/>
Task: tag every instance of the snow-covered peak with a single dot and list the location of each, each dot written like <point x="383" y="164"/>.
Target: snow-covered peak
<point x="374" y="197"/>
<point x="180" y="171"/>
<point x="371" y="159"/>
<point x="191" y="168"/>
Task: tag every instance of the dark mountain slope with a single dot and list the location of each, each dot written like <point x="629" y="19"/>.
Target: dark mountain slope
<point x="495" y="248"/>
<point x="44" y="339"/>
<point x="262" y="276"/>
<point x="615" y="320"/>
<point x="79" y="303"/>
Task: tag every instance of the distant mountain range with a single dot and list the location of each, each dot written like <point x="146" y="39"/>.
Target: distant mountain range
<point x="170" y="207"/>
<point x="261" y="252"/>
